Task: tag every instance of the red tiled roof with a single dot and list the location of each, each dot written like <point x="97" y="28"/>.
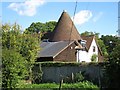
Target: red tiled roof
<point x="89" y="40"/>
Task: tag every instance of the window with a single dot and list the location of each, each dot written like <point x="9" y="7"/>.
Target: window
<point x="93" y="48"/>
<point x="83" y="43"/>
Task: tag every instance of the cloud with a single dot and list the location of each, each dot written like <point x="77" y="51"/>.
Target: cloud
<point x="27" y="8"/>
<point x="82" y="17"/>
<point x="97" y="17"/>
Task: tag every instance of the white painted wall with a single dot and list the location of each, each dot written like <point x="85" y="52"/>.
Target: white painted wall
<point x="90" y="52"/>
<point x="86" y="56"/>
<point x="83" y="56"/>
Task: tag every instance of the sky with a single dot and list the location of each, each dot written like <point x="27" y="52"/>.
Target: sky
<point x="99" y="17"/>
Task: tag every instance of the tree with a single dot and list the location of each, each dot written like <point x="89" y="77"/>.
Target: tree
<point x="113" y="68"/>
<point x="50" y="25"/>
<point x="27" y="45"/>
<point x="43" y="28"/>
<point x="110" y="42"/>
<point x="102" y="47"/>
<point x="86" y="33"/>
<point x="10" y="34"/>
<point x="29" y="49"/>
<point x="13" y="68"/>
<point x="35" y="28"/>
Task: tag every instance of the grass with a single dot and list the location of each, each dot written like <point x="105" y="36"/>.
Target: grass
<point x="83" y="85"/>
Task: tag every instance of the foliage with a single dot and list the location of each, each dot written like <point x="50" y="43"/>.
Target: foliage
<point x="84" y="85"/>
<point x="102" y="47"/>
<point x="60" y="64"/>
<point x="35" y="27"/>
<point x="9" y="36"/>
<point x="37" y="74"/>
<point x="13" y="68"/>
<point x="43" y="28"/>
<point x="50" y="25"/>
<point x="26" y="45"/>
<point x="44" y="85"/>
<point x="110" y="42"/>
<point x="87" y="33"/>
<point x="94" y="58"/>
<point x="29" y="49"/>
<point x="78" y="77"/>
<point x="113" y="68"/>
<point x="115" y="55"/>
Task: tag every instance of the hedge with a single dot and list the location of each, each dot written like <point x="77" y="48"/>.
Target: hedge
<point x="60" y="64"/>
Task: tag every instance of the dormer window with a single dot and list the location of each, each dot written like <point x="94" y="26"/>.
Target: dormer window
<point x="83" y="43"/>
<point x="93" y="48"/>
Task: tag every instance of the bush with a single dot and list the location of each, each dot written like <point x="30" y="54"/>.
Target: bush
<point x="37" y="74"/>
<point x="13" y="68"/>
<point x="94" y="58"/>
<point x="78" y="77"/>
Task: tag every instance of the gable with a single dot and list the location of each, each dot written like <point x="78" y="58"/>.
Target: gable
<point x="93" y="47"/>
<point x="89" y="40"/>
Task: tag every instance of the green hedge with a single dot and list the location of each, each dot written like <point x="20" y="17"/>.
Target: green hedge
<point x="60" y="64"/>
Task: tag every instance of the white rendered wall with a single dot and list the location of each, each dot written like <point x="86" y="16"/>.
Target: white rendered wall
<point x="83" y="56"/>
<point x="90" y="52"/>
<point x="86" y="56"/>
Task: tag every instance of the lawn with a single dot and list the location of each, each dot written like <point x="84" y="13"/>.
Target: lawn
<point x="84" y="85"/>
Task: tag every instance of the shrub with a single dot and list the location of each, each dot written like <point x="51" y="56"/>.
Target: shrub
<point x="78" y="77"/>
<point x="94" y="58"/>
<point x="37" y="74"/>
<point x="13" y="68"/>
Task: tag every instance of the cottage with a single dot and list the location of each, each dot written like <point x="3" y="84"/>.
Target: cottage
<point x="66" y="44"/>
<point x="90" y="49"/>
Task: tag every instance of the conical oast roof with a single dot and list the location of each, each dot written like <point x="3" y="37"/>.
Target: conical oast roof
<point x="65" y="29"/>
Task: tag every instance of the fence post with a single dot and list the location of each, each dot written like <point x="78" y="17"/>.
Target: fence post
<point x="60" y="84"/>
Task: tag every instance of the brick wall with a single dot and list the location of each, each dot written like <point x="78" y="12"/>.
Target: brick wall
<point x="67" y="55"/>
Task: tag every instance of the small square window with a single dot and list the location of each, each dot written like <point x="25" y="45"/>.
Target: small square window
<point x="93" y="48"/>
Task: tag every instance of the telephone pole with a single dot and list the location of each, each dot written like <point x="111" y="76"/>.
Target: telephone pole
<point x="118" y="19"/>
